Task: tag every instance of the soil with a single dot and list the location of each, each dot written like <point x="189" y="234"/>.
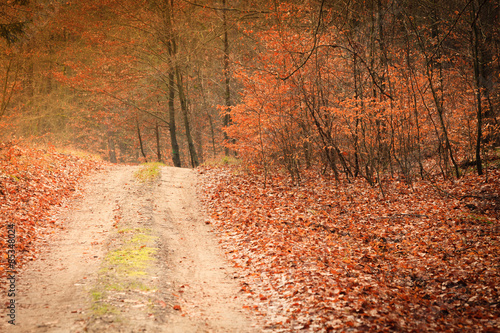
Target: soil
<point x="132" y="256"/>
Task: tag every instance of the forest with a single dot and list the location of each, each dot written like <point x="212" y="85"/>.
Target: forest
<point x="366" y="131"/>
<point x="357" y="88"/>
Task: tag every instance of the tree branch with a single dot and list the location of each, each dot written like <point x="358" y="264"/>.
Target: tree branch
<point x="138" y="108"/>
<point x="312" y="49"/>
<point x="228" y="9"/>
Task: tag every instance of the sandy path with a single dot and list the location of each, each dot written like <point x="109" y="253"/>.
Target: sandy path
<point x="202" y="279"/>
<point x="186" y="286"/>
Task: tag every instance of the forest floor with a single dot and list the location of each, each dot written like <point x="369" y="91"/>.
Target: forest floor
<point x="127" y="253"/>
<point x="131" y="256"/>
<point x="327" y="256"/>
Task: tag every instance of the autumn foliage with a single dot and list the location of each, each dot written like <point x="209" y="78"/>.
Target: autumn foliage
<point x="32" y="182"/>
<point x="95" y="75"/>
<point x="325" y="256"/>
<point x="361" y="125"/>
<point x="366" y="88"/>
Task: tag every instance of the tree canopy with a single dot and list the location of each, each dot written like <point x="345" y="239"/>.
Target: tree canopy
<point x="361" y="88"/>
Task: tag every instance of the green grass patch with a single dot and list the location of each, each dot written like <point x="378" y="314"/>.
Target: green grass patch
<point x="134" y="256"/>
<point x="131" y="260"/>
<point x="115" y="286"/>
<point x="124" y="285"/>
<point x="124" y="269"/>
<point x="103" y="309"/>
<point x="99" y="306"/>
<point x="148" y="171"/>
<point x="96" y="295"/>
<point x="222" y="160"/>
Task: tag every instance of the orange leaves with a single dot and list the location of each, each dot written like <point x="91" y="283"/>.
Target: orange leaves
<point x="317" y="256"/>
<point x="31" y="182"/>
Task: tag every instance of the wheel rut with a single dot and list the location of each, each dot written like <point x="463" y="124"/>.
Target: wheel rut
<point x="133" y="256"/>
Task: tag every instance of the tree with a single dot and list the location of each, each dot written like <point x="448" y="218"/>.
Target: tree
<point x="407" y="97"/>
<point x="366" y="89"/>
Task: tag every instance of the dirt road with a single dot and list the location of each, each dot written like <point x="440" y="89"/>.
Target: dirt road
<point x="134" y="256"/>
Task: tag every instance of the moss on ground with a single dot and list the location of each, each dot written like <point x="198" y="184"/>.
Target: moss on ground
<point x="148" y="171"/>
<point x="124" y="269"/>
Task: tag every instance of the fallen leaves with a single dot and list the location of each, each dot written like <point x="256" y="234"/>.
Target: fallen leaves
<point x="337" y="256"/>
<point x="32" y="181"/>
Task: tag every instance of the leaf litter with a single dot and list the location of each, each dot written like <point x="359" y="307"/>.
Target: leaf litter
<point x="325" y="256"/>
<point x="32" y="182"/>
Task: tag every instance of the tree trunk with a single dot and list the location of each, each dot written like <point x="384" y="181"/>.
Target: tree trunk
<point x="438" y="95"/>
<point x="212" y="132"/>
<point x="359" y="103"/>
<point x="158" y="148"/>
<point x="176" y="157"/>
<point x="227" y="94"/>
<point x="477" y="80"/>
<point x="199" y="143"/>
<point x="140" y="139"/>
<point x="184" y="109"/>
<point x="172" y="50"/>
<point x="206" y="107"/>
<point x="111" y="148"/>
<point x="6" y="93"/>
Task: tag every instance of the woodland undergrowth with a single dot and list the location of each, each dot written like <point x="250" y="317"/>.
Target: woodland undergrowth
<point x="326" y="256"/>
<point x="32" y="182"/>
